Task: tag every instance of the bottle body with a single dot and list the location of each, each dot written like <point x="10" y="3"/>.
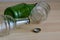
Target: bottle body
<point x="19" y="11"/>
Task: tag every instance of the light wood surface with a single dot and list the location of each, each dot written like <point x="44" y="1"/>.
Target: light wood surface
<point x="50" y="28"/>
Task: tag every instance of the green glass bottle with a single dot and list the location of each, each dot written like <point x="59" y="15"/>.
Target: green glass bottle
<point x="19" y="11"/>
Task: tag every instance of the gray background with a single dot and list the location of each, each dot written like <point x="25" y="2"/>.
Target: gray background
<point x="27" y="0"/>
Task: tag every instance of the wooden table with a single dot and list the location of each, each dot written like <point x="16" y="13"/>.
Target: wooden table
<point x="50" y="29"/>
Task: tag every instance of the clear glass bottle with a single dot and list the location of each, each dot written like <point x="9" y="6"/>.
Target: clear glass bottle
<point x="40" y="12"/>
<point x="6" y="24"/>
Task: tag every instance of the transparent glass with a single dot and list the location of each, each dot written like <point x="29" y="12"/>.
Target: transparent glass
<point x="40" y="12"/>
<point x="5" y="25"/>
